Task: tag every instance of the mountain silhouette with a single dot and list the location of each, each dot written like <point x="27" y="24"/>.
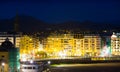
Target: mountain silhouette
<point x="30" y="24"/>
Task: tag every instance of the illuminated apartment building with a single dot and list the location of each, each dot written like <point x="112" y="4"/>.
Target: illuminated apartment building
<point x="14" y="38"/>
<point x="73" y="45"/>
<point x="78" y="51"/>
<point x="28" y="47"/>
<point x="91" y="45"/>
<point x="115" y="44"/>
<point x="59" y="45"/>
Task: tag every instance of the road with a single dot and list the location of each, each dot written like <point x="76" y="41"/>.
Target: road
<point x="99" y="67"/>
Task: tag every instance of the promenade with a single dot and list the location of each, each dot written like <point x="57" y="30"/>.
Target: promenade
<point x="73" y="60"/>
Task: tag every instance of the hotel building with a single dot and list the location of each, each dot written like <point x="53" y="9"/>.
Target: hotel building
<point x="115" y="44"/>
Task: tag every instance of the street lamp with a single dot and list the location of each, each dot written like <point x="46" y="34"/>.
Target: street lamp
<point x="3" y="64"/>
<point x="31" y="61"/>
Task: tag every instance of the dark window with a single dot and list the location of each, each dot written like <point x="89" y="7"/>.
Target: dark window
<point x="2" y="56"/>
<point x="33" y="67"/>
<point x="24" y="68"/>
<point x="29" y="67"/>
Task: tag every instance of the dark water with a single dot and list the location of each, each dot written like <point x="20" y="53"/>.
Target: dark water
<point x="105" y="67"/>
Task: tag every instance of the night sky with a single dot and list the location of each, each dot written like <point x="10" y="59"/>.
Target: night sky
<point x="55" y="11"/>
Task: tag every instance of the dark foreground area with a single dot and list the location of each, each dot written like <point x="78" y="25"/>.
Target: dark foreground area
<point x="98" y="67"/>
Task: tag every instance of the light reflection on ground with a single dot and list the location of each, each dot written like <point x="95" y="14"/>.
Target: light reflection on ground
<point x="81" y="65"/>
<point x="99" y="67"/>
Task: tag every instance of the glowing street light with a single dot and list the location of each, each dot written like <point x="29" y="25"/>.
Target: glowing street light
<point x="49" y="62"/>
<point x="3" y="64"/>
<point x="31" y="61"/>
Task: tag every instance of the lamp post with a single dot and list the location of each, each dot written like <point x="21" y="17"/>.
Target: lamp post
<point x="3" y="64"/>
